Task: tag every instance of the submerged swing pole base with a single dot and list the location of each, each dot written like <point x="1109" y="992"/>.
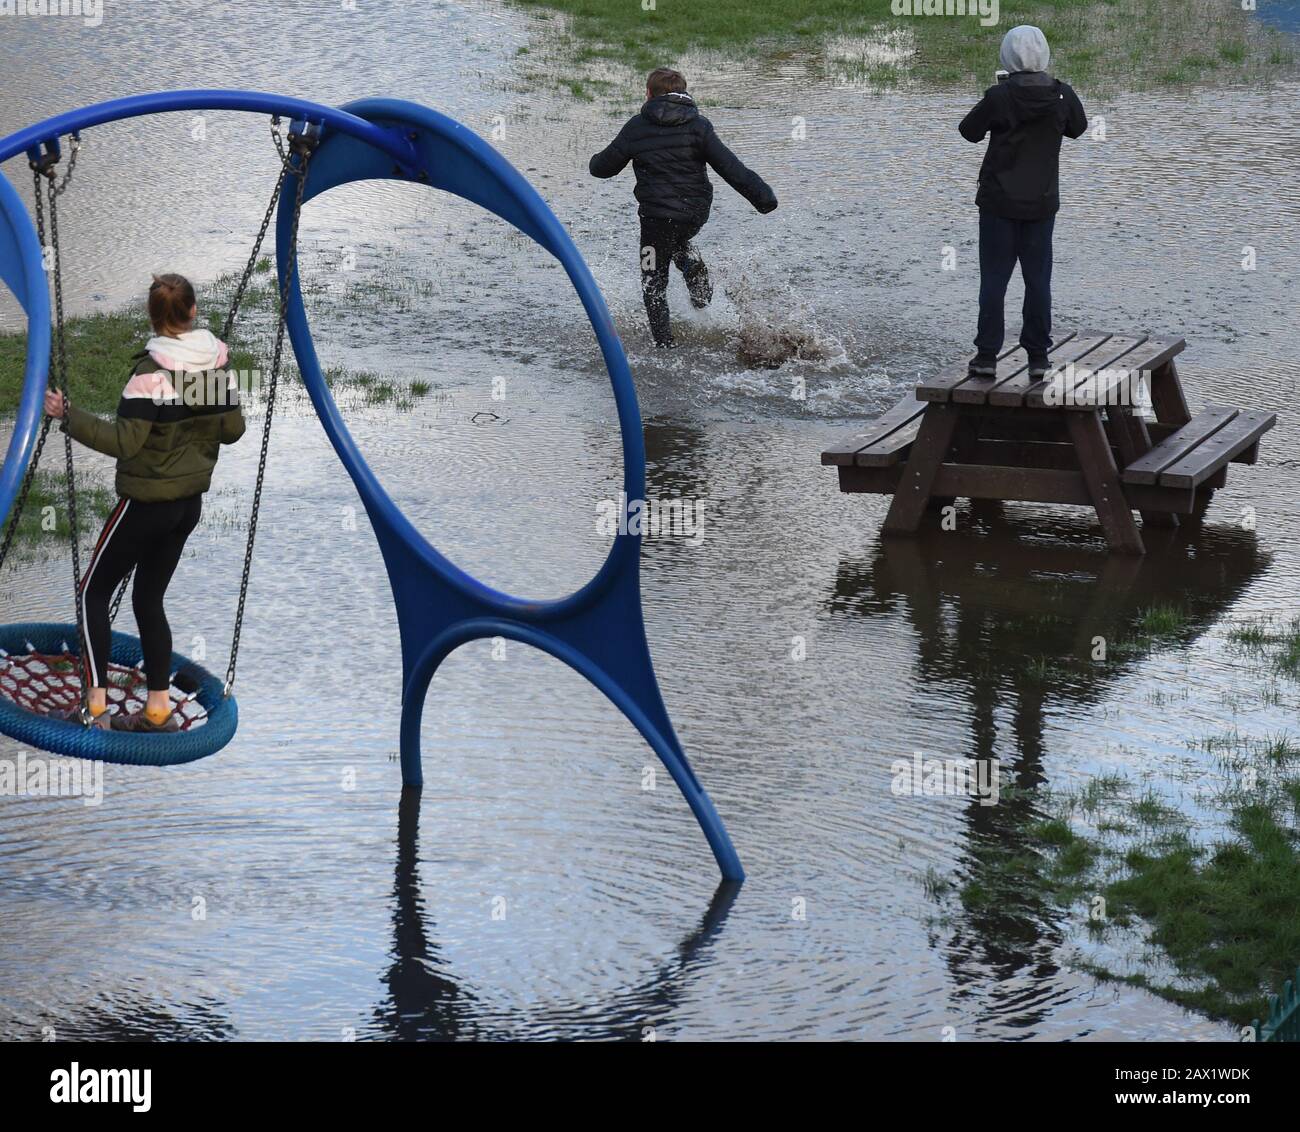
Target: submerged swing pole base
<point x="598" y="630"/>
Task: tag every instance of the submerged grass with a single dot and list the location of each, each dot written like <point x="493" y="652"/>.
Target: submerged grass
<point x="100" y="349"/>
<point x="1278" y="645"/>
<point x="44" y="522"/>
<point x="1107" y="43"/>
<point x="1221" y="914"/>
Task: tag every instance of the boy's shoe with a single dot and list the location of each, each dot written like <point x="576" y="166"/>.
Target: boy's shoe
<point x="1038" y="365"/>
<point x="700" y="289"/>
<point x="984" y="365"/>
<point x="139" y="722"/>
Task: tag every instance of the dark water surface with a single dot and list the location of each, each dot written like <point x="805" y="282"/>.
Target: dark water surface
<point x="335" y="908"/>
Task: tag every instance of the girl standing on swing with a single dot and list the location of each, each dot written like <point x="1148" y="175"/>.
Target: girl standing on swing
<point x="176" y="411"/>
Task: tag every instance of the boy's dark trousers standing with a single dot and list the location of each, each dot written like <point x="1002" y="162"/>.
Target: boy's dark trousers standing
<point x="1003" y="242"/>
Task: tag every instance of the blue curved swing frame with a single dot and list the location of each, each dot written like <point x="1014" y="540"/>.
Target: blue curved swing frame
<point x="598" y="630"/>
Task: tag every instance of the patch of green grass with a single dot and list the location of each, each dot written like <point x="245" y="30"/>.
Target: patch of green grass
<point x="100" y="349"/>
<point x="1282" y="644"/>
<point x="1222" y="914"/>
<point x="1156" y="625"/>
<point x="44" y="522"/>
<point x="1105" y="42"/>
<point x="1162" y="620"/>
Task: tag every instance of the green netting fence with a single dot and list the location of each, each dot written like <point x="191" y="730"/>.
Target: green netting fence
<point x="1283" y="1023"/>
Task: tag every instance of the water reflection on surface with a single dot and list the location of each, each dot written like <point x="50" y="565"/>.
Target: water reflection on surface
<point x="328" y="914"/>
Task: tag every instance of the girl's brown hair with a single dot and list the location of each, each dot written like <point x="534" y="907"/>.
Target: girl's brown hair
<point x="171" y="299"/>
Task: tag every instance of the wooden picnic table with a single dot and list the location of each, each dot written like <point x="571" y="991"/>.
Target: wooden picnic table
<point x="1076" y="436"/>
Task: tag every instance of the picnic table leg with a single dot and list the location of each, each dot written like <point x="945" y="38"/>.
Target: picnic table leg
<point x="912" y="494"/>
<point x="964" y="438"/>
<point x="1167" y="396"/>
<point x="1102" y="477"/>
<point x="1129" y="432"/>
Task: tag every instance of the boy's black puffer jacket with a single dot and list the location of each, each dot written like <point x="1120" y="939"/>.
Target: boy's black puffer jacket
<point x="669" y="143"/>
<point x="1025" y="117"/>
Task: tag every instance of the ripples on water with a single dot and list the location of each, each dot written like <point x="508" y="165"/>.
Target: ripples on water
<point x="332" y="910"/>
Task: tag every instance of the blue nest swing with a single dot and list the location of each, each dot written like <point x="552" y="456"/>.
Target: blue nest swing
<point x="38" y="670"/>
<point x="598" y="630"/>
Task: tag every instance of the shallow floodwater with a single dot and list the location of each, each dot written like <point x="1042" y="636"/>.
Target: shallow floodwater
<point x="535" y="889"/>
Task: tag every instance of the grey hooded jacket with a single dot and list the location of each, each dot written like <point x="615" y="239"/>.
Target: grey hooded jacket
<point x="1024" y="117"/>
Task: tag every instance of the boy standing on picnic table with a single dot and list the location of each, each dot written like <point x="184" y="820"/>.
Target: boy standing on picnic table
<point x="669" y="144"/>
<point x="1025" y="116"/>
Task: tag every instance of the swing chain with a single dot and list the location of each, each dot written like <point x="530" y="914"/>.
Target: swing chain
<point x="303" y="146"/>
<point x="57" y="375"/>
<point x="11" y="528"/>
<point x="251" y="265"/>
<point x="45" y="166"/>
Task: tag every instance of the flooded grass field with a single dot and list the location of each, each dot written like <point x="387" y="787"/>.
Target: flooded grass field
<point x="536" y="889"/>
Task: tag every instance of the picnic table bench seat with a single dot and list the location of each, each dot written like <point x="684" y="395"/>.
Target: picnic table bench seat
<point x="1192" y="454"/>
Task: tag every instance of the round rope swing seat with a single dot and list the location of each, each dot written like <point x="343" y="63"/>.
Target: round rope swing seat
<point x="40" y="674"/>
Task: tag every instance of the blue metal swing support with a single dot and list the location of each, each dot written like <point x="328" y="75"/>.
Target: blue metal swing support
<point x="598" y="630"/>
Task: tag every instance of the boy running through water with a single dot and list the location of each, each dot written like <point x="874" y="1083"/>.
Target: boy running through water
<point x="1025" y="116"/>
<point x="669" y="143"/>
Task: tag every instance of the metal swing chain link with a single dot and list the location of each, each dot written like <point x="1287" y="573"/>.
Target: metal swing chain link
<point x="74" y="528"/>
<point x="249" y="267"/>
<point x="11" y="528"/>
<point x="43" y="167"/>
<point x="304" y="150"/>
<point x="57" y="378"/>
<point x="229" y="325"/>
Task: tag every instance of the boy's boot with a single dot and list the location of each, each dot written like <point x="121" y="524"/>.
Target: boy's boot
<point x="696" y="274"/>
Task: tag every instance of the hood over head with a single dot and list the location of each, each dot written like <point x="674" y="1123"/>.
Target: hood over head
<point x="671" y="109"/>
<point x="1024" y="48"/>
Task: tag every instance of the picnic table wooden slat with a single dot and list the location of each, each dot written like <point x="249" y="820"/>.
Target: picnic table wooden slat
<point x="1174" y="447"/>
<point x="892" y="448"/>
<point x="940" y="387"/>
<point x="975" y="390"/>
<point x="1071" y="348"/>
<point x="1243" y="430"/>
<point x="1109" y="388"/>
<point x="907" y="410"/>
<point x="1058" y="388"/>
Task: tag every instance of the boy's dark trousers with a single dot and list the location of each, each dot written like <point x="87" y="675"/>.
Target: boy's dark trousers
<point x="1003" y="242"/>
<point x="664" y="242"/>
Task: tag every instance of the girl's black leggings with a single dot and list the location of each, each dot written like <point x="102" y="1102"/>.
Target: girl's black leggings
<point x="149" y="537"/>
